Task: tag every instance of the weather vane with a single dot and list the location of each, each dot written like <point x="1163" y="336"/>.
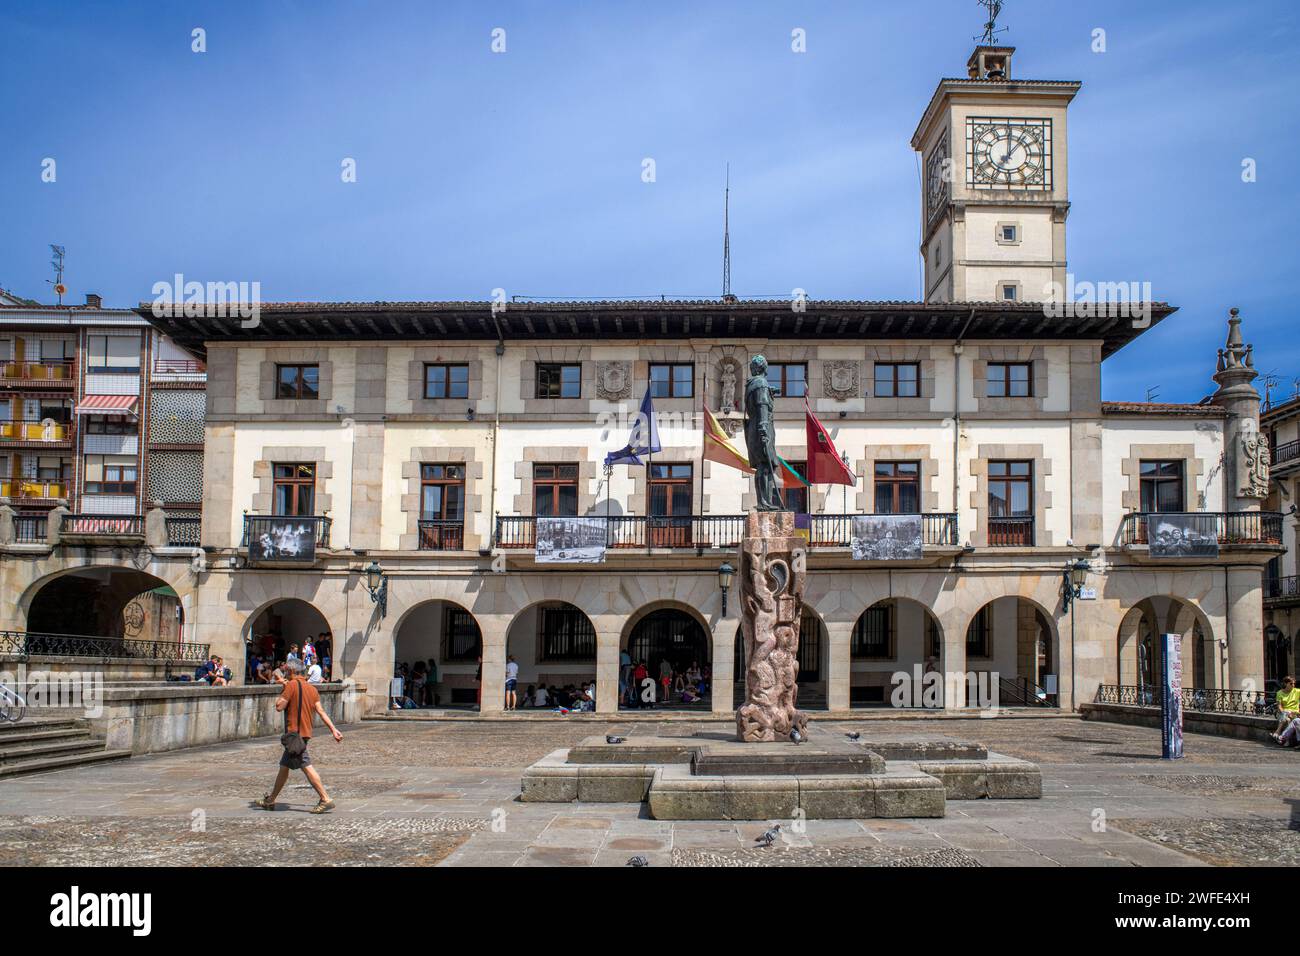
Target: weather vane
<point x="991" y="30"/>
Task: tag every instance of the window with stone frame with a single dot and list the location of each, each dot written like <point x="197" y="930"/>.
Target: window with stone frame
<point x="675" y="380"/>
<point x="1162" y="485"/>
<point x="297" y="382"/>
<point x="446" y="380"/>
<point x="293" y="488"/>
<point x="873" y="634"/>
<point x="897" y="379"/>
<point x="897" y="487"/>
<point x="1011" y="503"/>
<point x="788" y="379"/>
<point x="1009" y="380"/>
<point x="555" y="490"/>
<point x="555" y="380"/>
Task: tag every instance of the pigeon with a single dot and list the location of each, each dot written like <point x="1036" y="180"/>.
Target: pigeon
<point x="612" y="739"/>
<point x="853" y="735"/>
<point x="638" y="861"/>
<point x="795" y="735"/>
<point x="769" y="835"/>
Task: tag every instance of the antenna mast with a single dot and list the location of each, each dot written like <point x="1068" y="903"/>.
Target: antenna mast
<point x="991" y="30"/>
<point x="57" y="262"/>
<point x="726" y="237"/>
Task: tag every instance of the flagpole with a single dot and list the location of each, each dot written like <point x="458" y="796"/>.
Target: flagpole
<point x="704" y="405"/>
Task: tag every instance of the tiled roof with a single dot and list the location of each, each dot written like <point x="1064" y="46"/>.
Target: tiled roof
<point x="1163" y="408"/>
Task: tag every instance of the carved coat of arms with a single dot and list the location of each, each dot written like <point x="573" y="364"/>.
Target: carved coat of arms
<point x="613" y="380"/>
<point x="840" y="380"/>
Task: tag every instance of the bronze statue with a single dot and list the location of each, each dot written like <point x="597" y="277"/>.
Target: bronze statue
<point x="760" y="436"/>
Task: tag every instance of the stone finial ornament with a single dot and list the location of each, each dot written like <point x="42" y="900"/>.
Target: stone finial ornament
<point x="772" y="573"/>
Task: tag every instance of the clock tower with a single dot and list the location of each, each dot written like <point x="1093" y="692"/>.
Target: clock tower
<point x="994" y="188"/>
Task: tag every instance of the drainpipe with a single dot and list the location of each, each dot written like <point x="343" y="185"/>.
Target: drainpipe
<point x="957" y="350"/>
<point x="496" y="431"/>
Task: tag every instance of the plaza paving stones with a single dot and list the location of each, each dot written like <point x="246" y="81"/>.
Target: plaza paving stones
<point x="446" y="793"/>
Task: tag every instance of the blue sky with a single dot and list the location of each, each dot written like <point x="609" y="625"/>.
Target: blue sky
<point x="522" y="170"/>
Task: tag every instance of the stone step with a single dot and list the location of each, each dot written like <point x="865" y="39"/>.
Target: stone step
<point x="22" y="734"/>
<point x="44" y="764"/>
<point x="29" y="724"/>
<point x="49" y="748"/>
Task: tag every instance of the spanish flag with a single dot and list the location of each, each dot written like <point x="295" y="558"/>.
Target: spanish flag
<point x="718" y="447"/>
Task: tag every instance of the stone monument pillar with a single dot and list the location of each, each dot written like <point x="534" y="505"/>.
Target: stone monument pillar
<point x="1245" y="485"/>
<point x="772" y="564"/>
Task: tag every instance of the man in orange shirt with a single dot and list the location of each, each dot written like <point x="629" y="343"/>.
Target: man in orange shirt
<point x="301" y="703"/>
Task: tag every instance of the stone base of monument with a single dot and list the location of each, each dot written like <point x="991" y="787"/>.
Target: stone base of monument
<point x="712" y="777"/>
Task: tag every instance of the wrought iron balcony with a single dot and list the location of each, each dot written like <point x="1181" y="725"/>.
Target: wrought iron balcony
<point x="705" y="532"/>
<point x="31" y="528"/>
<point x="92" y="526"/>
<point x="28" y="643"/>
<point x="1250" y="703"/>
<point x="257" y="525"/>
<point x="1017" y="532"/>
<point x="46" y="374"/>
<point x="442" y="534"/>
<point x="1283" y="590"/>
<point x="183" y="530"/>
<point x="1286" y="454"/>
<point x="1228" y="528"/>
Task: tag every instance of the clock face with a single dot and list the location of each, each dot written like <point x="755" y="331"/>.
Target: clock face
<point x="937" y="174"/>
<point x="1009" y="153"/>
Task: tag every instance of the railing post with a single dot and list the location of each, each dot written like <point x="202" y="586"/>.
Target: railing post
<point x="8" y="534"/>
<point x="54" y="523"/>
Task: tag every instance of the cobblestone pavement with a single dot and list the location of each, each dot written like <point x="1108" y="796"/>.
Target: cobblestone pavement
<point x="422" y="793"/>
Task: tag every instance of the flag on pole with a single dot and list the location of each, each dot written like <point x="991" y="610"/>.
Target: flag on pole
<point x="790" y="477"/>
<point x="644" y="439"/>
<point x="824" y="464"/>
<point x="718" y="447"/>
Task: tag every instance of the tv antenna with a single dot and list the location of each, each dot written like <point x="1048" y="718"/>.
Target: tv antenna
<point x="726" y="237"/>
<point x="57" y="262"/>
<point x="1153" y="392"/>
<point x="991" y="29"/>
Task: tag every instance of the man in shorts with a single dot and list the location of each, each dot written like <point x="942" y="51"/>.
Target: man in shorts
<point x="512" y="682"/>
<point x="300" y="702"/>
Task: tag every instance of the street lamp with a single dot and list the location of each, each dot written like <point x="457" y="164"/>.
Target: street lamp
<point x="725" y="574"/>
<point x="1074" y="577"/>
<point x="377" y="585"/>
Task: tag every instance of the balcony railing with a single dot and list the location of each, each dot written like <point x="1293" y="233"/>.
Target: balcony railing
<point x="179" y="367"/>
<point x="27" y="429"/>
<point x="46" y="373"/>
<point x="1278" y="590"/>
<point x="1286" y="453"/>
<point x="1011" y="532"/>
<point x="442" y="534"/>
<point x="27" y="643"/>
<point x="703" y="532"/>
<point x="1251" y="703"/>
<point x="183" y="531"/>
<point x="31" y="529"/>
<point x="1230" y="528"/>
<point x="257" y="525"/>
<point x="33" y="488"/>
<point x="93" y="525"/>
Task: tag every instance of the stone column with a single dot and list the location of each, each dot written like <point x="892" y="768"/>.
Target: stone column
<point x="607" y="672"/>
<point x="1245" y="617"/>
<point x="952" y="663"/>
<point x="839" y="664"/>
<point x="155" y="526"/>
<point x="722" y="693"/>
<point x="494" y="666"/>
<point x="54" y="523"/>
<point x="7" y="532"/>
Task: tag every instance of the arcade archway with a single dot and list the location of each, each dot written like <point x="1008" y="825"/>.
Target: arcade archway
<point x="895" y="644"/>
<point x="672" y="643"/>
<point x="441" y="641"/>
<point x="100" y="601"/>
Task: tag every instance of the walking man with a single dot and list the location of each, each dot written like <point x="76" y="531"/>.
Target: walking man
<point x="512" y="681"/>
<point x="300" y="703"/>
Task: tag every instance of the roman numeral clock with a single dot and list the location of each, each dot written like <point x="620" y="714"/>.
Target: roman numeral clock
<point x="1009" y="153"/>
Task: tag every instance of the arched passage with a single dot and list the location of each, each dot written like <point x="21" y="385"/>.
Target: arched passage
<point x="1013" y="650"/>
<point x="1137" y="649"/>
<point x="439" y="643"/>
<point x="673" y="643"/>
<point x="276" y="627"/>
<point x="895" y="643"/>
<point x="106" y="601"/>
<point x="554" y="645"/>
